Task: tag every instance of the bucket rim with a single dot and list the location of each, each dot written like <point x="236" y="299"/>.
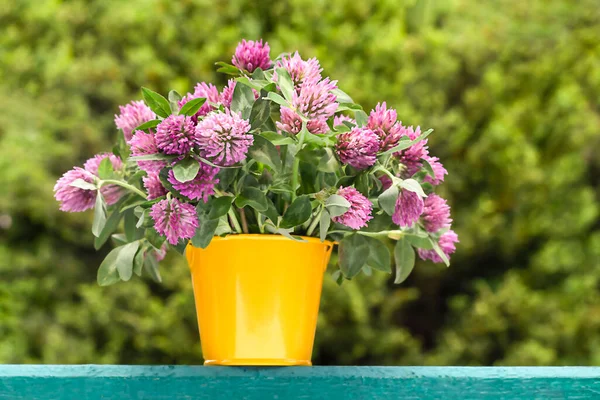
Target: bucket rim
<point x="268" y="237"/>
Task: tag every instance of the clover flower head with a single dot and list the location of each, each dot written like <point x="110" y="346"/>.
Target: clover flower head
<point x="447" y="244"/>
<point x="250" y="55"/>
<point x="409" y="207"/>
<point x="133" y="115"/>
<point x="175" y="135"/>
<point x="360" y="209"/>
<point x="174" y="219"/>
<point x="358" y="147"/>
<point x="224" y="138"/>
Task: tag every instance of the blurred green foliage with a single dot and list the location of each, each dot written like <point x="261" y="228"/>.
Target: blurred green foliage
<point x="512" y="88"/>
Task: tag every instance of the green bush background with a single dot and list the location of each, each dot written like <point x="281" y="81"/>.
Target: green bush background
<point x="511" y="87"/>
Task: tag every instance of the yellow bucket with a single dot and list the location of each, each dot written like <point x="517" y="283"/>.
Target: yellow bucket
<point x="257" y="298"/>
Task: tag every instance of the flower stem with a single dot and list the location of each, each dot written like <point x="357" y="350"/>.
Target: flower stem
<point x="314" y="223"/>
<point x="385" y="171"/>
<point x="261" y="227"/>
<point x="124" y="185"/>
<point x="234" y="221"/>
<point x="244" y="221"/>
<point x="296" y="165"/>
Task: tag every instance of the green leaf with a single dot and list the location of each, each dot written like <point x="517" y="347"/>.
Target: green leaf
<point x="285" y="83"/>
<point x="297" y="213"/>
<point x="253" y="197"/>
<point x="132" y="231"/>
<point x="440" y="252"/>
<point x="405" y="260"/>
<point x="151" y="267"/>
<point x="329" y="162"/>
<point x="141" y="203"/>
<point x="261" y="111"/>
<point x="205" y="233"/>
<point x="155" y="239"/>
<point x="278" y="99"/>
<point x="137" y="177"/>
<point x="271" y="87"/>
<point x="361" y="118"/>
<point x="341" y="96"/>
<point x="122" y="148"/>
<point x="124" y="261"/>
<point x="107" y="273"/>
<point x="405" y="144"/>
<point x="422" y="241"/>
<point x="353" y="254"/>
<point x="191" y="107"/>
<point x="413" y="186"/>
<point x="223" y="227"/>
<point x="387" y="200"/>
<point x="186" y="169"/>
<point x="143" y="216"/>
<point x="367" y="270"/>
<point x="219" y="206"/>
<point x="277" y="139"/>
<point x="345" y="181"/>
<point x="338" y="277"/>
<point x="242" y="99"/>
<point x="342" y="128"/>
<point x="99" y="215"/>
<point x="119" y="239"/>
<point x="265" y="152"/>
<point x="138" y="261"/>
<point x="109" y="227"/>
<point x="81" y="184"/>
<point x="379" y="255"/>
<point x="324" y="224"/>
<point x="226" y="177"/>
<point x="317" y="140"/>
<point x="153" y="157"/>
<point x="148" y="125"/>
<point x="256" y="84"/>
<point x="428" y="188"/>
<point x="428" y="168"/>
<point x="271" y="211"/>
<point x="285" y="232"/>
<point x="337" y="205"/>
<point x="258" y="74"/>
<point x="180" y="247"/>
<point x="174" y="99"/>
<point x="227" y="69"/>
<point x="105" y="169"/>
<point x="349" y="107"/>
<point x="156" y="102"/>
<point x="362" y="184"/>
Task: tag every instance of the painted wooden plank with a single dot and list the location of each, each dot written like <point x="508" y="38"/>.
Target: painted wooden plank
<point x="87" y="382"/>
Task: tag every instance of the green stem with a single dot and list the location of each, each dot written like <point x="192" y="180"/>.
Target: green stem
<point x="261" y="227"/>
<point x="314" y="223"/>
<point x="219" y="193"/>
<point x="385" y="171"/>
<point x="296" y="165"/>
<point x="280" y="197"/>
<point x="124" y="185"/>
<point x="283" y="149"/>
<point x="244" y="221"/>
<point x="234" y="221"/>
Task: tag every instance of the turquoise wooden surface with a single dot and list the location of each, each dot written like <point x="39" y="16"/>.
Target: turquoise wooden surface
<point x="83" y="382"/>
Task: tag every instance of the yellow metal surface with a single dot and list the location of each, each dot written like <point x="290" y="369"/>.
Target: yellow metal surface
<point x="257" y="298"/>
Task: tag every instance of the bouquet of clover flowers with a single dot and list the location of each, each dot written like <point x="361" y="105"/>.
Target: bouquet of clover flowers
<point x="279" y="150"/>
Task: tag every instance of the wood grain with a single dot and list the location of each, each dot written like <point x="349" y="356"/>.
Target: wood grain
<point x="86" y="382"/>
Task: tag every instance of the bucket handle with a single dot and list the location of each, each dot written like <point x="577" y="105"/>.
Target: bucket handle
<point x="328" y="250"/>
